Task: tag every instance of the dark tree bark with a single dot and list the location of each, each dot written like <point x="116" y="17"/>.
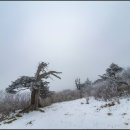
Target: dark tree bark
<point x="33" y="96"/>
<point x="37" y="95"/>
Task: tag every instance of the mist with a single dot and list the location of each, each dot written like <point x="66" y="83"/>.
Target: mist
<point x="78" y="38"/>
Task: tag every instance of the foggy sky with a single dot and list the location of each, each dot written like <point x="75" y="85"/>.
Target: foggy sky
<point x="80" y="39"/>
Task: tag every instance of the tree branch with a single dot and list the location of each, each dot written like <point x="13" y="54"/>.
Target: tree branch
<point x="49" y="73"/>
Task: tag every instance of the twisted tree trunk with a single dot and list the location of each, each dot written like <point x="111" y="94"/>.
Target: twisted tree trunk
<point x="33" y="96"/>
<point x="37" y="95"/>
<point x="36" y="85"/>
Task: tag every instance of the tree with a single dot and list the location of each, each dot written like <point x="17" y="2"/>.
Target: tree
<point x="112" y="81"/>
<point x="88" y="83"/>
<point x="126" y="75"/>
<point x="79" y="86"/>
<point x="112" y="74"/>
<point x="37" y="84"/>
<point x="112" y="71"/>
<point x="77" y="83"/>
<point x="84" y="88"/>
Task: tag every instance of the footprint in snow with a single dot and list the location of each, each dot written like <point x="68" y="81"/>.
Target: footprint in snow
<point x="29" y="123"/>
<point x="126" y="123"/>
<point x="109" y="114"/>
<point x="54" y="109"/>
<point x="68" y="114"/>
<point x="124" y="114"/>
<point x="82" y="103"/>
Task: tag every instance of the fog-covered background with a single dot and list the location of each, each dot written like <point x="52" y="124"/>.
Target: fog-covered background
<point x="77" y="38"/>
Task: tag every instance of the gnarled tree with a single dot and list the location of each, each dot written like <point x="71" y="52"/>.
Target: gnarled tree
<point x="37" y="84"/>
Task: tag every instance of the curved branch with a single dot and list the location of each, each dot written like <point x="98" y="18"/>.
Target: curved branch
<point x="45" y="75"/>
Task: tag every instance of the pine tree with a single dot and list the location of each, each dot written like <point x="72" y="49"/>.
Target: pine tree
<point x="37" y="84"/>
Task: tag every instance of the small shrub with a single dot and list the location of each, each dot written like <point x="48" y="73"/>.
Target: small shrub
<point x="11" y="103"/>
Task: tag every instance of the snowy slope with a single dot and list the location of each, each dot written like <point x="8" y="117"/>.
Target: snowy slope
<point x="76" y="114"/>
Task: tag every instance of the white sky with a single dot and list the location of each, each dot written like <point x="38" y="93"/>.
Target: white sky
<point x="77" y="38"/>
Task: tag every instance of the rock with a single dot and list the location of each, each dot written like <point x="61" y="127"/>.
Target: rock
<point x="124" y="114"/>
<point x="30" y="122"/>
<point x="10" y="121"/>
<point x="126" y="123"/>
<point x="109" y="114"/>
<point x="41" y="110"/>
<point x="18" y="115"/>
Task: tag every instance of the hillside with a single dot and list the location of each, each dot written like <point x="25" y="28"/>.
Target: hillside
<point x="76" y="114"/>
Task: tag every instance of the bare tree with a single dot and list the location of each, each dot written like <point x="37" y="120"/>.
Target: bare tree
<point x="77" y="83"/>
<point x="79" y="86"/>
<point x="37" y="85"/>
<point x="84" y="88"/>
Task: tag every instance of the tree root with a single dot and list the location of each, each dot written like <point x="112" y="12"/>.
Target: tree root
<point x="27" y="109"/>
<point x="31" y="108"/>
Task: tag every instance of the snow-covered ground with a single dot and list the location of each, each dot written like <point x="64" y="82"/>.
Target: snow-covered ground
<point x="76" y="114"/>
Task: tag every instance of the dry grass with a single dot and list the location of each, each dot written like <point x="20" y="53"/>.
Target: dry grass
<point x="66" y="95"/>
<point x="10" y="103"/>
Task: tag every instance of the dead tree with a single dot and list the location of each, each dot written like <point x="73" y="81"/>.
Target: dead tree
<point x="37" y="84"/>
<point x="79" y="86"/>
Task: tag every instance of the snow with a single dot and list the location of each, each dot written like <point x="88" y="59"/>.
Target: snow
<point x="76" y="114"/>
